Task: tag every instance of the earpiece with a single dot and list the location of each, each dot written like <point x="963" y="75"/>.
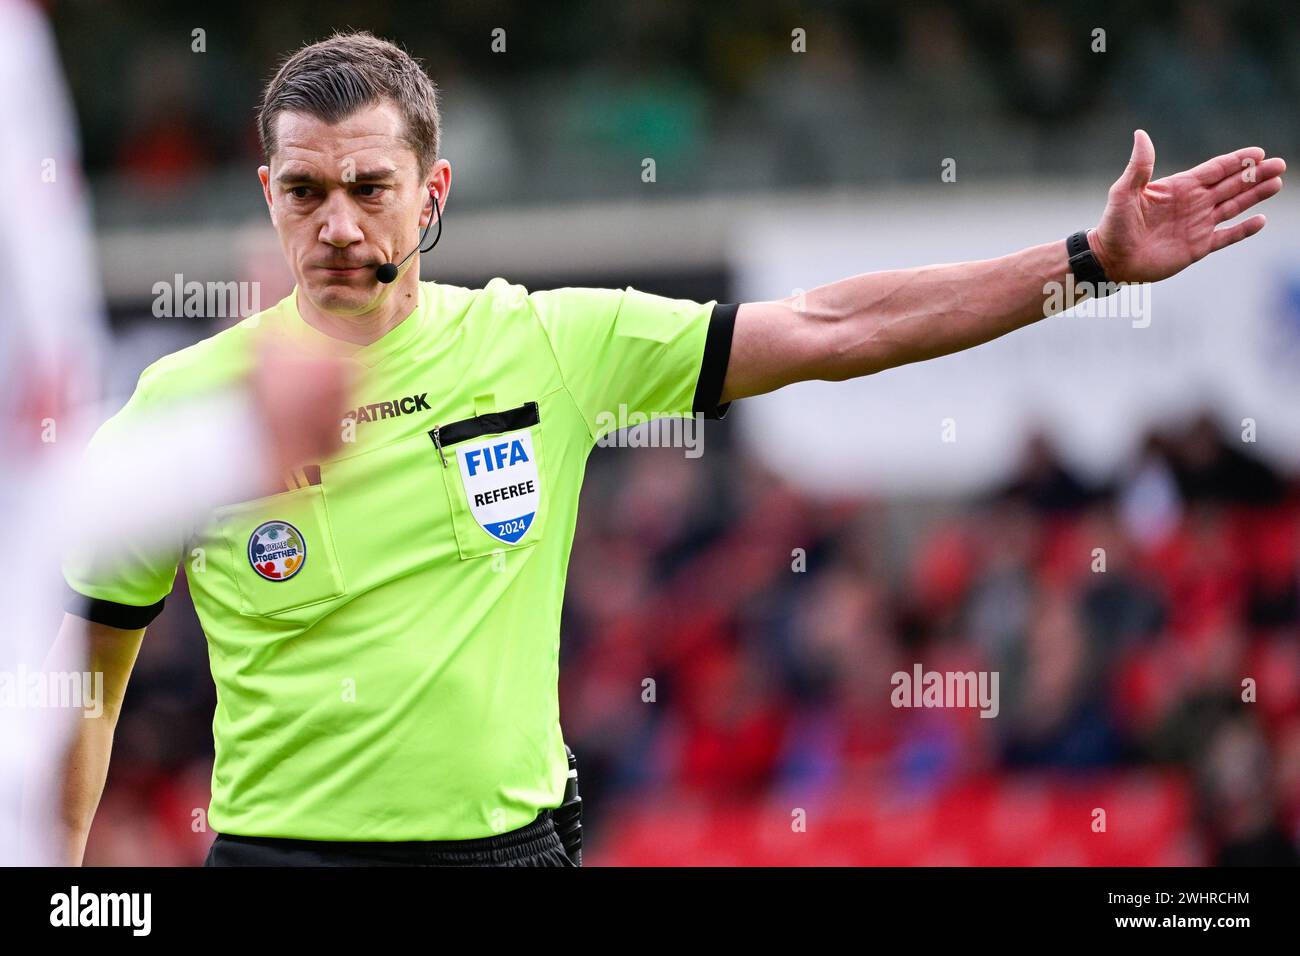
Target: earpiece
<point x="387" y="272"/>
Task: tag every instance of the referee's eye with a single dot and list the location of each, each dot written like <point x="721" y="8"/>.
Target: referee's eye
<point x="300" y="192"/>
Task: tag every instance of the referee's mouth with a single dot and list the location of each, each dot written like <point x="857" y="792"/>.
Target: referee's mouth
<point x="343" y="270"/>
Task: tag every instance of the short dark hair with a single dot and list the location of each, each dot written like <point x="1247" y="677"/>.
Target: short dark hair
<point x="333" y="78"/>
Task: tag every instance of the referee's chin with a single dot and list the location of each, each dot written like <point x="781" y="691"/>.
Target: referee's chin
<point x="353" y="295"/>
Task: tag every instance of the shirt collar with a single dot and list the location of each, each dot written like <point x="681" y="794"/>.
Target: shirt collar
<point x="370" y="355"/>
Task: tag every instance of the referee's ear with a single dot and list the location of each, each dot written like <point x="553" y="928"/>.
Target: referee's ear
<point x="264" y="174"/>
<point x="438" y="187"/>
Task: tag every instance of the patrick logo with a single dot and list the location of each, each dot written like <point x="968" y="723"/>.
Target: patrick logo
<point x="277" y="551"/>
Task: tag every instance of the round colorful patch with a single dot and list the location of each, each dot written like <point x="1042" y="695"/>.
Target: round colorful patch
<point x="277" y="550"/>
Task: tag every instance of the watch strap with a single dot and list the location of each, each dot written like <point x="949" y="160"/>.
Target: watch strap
<point x="1083" y="263"/>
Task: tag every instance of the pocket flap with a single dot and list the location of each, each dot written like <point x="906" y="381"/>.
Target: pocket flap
<point x="283" y="551"/>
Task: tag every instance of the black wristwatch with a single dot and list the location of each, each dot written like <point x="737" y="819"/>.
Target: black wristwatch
<point x="1084" y="264"/>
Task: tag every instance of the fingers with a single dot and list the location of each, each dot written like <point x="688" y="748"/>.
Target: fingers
<point x="1214" y="171"/>
<point x="1236" y="232"/>
<point x="1141" y="163"/>
<point x="1231" y="208"/>
<point x="1248" y="177"/>
<point x="301" y="398"/>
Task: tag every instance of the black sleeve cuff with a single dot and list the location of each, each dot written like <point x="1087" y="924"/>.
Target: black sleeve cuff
<point x="128" y="617"/>
<point x="713" y="367"/>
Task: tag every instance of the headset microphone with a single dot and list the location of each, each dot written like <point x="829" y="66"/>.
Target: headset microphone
<point x="387" y="272"/>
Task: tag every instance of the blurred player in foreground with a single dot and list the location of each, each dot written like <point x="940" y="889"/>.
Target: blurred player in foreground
<point x="171" y="467"/>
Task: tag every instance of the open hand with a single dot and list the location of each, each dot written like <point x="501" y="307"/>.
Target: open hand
<point x="1152" y="230"/>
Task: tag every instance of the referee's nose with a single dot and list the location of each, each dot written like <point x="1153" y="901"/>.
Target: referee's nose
<point x="340" y="227"/>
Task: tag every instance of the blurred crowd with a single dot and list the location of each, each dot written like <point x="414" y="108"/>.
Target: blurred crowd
<point x="582" y="93"/>
<point x="1149" y="622"/>
<point x="728" y="640"/>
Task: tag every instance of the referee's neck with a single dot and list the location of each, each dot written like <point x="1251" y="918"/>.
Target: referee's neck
<point x="363" y="328"/>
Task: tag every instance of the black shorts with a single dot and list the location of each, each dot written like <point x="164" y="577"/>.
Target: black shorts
<point x="534" y="845"/>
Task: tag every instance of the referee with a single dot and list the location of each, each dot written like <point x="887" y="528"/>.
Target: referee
<point x="383" y="630"/>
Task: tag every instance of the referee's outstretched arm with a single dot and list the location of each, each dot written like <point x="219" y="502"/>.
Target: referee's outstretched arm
<point x="1150" y="230"/>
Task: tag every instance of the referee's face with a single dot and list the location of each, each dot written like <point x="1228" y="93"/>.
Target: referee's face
<point x="345" y="198"/>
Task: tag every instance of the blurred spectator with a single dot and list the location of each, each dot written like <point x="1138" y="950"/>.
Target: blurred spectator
<point x="1043" y="481"/>
<point x="1239" y="802"/>
<point x="1208" y="467"/>
<point x="163" y="148"/>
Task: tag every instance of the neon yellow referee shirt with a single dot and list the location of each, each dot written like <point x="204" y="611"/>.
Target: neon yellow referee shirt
<point x="384" y="634"/>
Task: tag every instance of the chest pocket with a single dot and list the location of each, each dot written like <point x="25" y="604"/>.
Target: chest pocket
<point x="282" y="550"/>
<point x="493" y="470"/>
